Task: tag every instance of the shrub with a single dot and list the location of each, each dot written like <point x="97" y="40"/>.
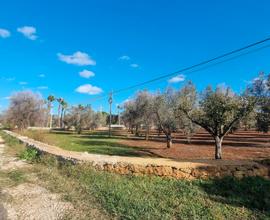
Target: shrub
<point x="30" y="154"/>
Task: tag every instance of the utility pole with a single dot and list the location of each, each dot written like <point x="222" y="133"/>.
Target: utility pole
<point x="110" y="122"/>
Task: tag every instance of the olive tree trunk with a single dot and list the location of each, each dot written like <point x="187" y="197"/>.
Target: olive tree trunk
<point x="147" y="133"/>
<point x="218" y="148"/>
<point x="169" y="140"/>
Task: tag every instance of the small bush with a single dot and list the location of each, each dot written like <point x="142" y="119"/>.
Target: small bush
<point x="30" y="154"/>
<point x="36" y="135"/>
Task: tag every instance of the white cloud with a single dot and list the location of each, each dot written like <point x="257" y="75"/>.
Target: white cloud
<point x="41" y="75"/>
<point x="4" y="33"/>
<point x="42" y="87"/>
<point x="89" y="89"/>
<point x="28" y="31"/>
<point x="86" y="74"/>
<point x="178" y="78"/>
<point x="125" y="57"/>
<point x="134" y="65"/>
<point x="6" y="98"/>
<point x="23" y="83"/>
<point x="78" y="58"/>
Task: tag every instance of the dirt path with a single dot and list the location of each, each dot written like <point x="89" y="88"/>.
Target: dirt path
<point x="26" y="200"/>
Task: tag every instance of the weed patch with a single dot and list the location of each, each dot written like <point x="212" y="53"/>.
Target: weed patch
<point x="30" y="154"/>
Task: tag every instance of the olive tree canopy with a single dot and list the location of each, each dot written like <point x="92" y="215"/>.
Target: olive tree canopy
<point x="163" y="109"/>
<point x="217" y="111"/>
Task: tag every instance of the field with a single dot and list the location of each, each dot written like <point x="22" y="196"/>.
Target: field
<point x="131" y="197"/>
<point x="241" y="145"/>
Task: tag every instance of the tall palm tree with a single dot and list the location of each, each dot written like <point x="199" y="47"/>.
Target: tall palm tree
<point x="50" y="100"/>
<point x="64" y="106"/>
<point x="59" y="100"/>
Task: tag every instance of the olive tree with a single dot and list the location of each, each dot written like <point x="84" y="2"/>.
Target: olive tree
<point x="260" y="89"/>
<point x="217" y="111"/>
<point x="26" y="109"/>
<point x="144" y="106"/>
<point x="163" y="109"/>
<point x="131" y="117"/>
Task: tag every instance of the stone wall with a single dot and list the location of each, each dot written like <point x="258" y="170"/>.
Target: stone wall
<point x="241" y="171"/>
<point x="175" y="170"/>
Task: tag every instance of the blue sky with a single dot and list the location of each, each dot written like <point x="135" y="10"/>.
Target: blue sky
<point x="53" y="46"/>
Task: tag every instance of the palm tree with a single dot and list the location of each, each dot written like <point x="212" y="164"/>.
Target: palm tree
<point x="59" y="100"/>
<point x="64" y="106"/>
<point x="50" y="100"/>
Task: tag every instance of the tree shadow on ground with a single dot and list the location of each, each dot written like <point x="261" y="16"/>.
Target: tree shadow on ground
<point x="112" y="148"/>
<point x="250" y="192"/>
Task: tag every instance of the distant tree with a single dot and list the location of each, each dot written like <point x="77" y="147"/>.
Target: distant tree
<point x="187" y="127"/>
<point x="64" y="107"/>
<point x="144" y="106"/>
<point x="59" y="100"/>
<point x="216" y="111"/>
<point x="163" y="109"/>
<point x="26" y="109"/>
<point x="260" y="88"/>
<point x="130" y="116"/>
<point x="50" y="100"/>
<point x="249" y="121"/>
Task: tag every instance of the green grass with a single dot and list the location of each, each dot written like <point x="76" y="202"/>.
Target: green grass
<point x="131" y="197"/>
<point x="91" y="142"/>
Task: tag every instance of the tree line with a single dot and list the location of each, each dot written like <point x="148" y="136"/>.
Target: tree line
<point x="218" y="111"/>
<point x="28" y="109"/>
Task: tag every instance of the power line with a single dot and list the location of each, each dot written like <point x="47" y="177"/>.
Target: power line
<point x="195" y="65"/>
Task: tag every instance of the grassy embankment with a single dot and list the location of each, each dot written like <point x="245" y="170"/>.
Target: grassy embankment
<point x="130" y="197"/>
<point x="92" y="142"/>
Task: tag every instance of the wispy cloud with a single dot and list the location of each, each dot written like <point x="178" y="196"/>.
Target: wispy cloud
<point x="42" y="87"/>
<point x="78" y="58"/>
<point x="41" y="75"/>
<point x="89" y="89"/>
<point x="9" y="79"/>
<point x="23" y="83"/>
<point x="178" y="78"/>
<point x="86" y="74"/>
<point x="4" y="33"/>
<point x="28" y="31"/>
<point x="124" y="57"/>
<point x="134" y="65"/>
<point x="6" y="98"/>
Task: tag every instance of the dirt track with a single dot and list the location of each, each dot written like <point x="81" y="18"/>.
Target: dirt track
<point x="28" y="200"/>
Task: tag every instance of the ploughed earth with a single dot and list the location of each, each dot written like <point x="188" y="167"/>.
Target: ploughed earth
<point x="241" y="145"/>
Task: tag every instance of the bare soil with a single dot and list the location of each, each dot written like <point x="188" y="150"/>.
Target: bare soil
<point x="242" y="145"/>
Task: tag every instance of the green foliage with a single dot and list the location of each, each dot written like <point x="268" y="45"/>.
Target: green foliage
<point x="30" y="154"/>
<point x="130" y="197"/>
<point x="260" y="88"/>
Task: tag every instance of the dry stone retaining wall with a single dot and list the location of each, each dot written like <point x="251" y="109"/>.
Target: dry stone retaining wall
<point x="157" y="166"/>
